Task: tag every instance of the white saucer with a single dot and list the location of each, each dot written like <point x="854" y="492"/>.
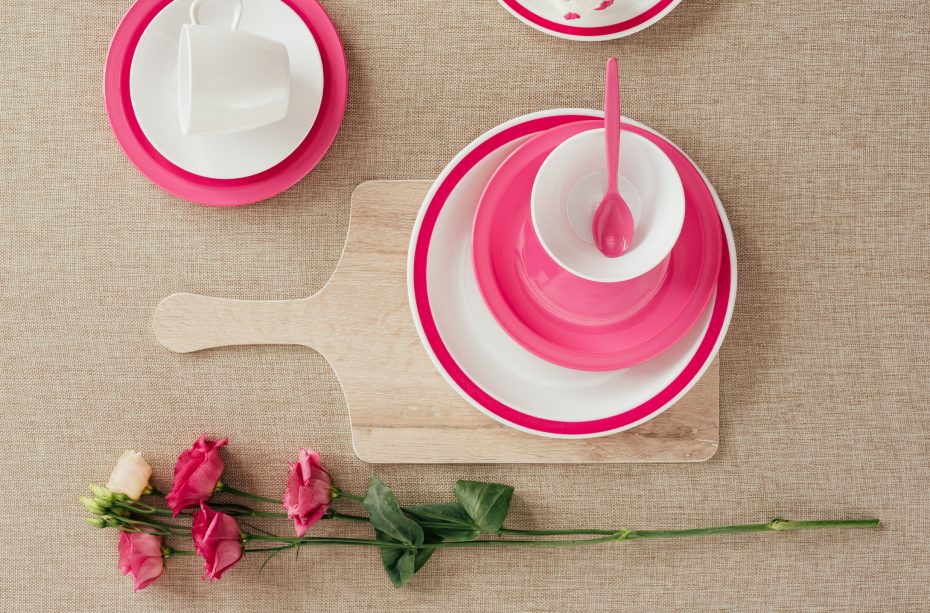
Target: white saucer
<point x="154" y="92"/>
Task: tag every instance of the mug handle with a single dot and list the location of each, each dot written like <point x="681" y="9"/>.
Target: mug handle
<point x="237" y="13"/>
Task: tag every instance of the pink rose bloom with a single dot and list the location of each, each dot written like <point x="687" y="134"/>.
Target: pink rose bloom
<point x="140" y="555"/>
<point x="196" y="474"/>
<point x="217" y="540"/>
<point x="309" y="491"/>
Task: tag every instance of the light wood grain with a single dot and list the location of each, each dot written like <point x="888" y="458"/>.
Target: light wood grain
<point x="402" y="410"/>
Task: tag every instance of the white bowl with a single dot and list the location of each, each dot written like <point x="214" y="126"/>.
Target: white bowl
<point x="569" y="187"/>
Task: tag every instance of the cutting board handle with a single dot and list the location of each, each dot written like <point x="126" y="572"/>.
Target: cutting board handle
<point x="190" y="322"/>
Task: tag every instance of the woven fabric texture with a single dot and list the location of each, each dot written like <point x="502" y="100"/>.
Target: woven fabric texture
<point x="810" y="118"/>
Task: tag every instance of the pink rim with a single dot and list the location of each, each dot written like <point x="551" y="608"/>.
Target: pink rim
<point x="561" y="339"/>
<point x="563" y="28"/>
<point x="223" y="192"/>
<point x="424" y="312"/>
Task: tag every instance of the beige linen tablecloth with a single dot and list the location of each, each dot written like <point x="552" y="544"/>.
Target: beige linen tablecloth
<point x="810" y="118"/>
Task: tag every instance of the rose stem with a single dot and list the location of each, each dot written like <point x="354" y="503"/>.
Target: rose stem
<point x="240" y="493"/>
<point x="777" y="525"/>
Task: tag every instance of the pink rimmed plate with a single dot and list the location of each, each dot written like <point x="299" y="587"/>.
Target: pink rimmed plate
<point x="493" y="372"/>
<point x="622" y="18"/>
<point x="574" y="322"/>
<point x="223" y="192"/>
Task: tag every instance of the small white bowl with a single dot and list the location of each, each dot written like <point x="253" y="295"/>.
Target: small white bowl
<point x="569" y="187"/>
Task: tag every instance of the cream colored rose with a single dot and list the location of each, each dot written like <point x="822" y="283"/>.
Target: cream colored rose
<point x="130" y="476"/>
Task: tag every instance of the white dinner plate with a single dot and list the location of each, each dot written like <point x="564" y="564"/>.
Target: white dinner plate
<point x="153" y="85"/>
<point x="493" y="372"/>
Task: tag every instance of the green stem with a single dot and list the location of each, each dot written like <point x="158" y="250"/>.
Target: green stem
<point x="148" y="511"/>
<point x="149" y="520"/>
<point x="294" y="542"/>
<point x="321" y="540"/>
<point x="236" y="510"/>
<point x="338" y="493"/>
<point x="615" y="536"/>
<point x="776" y="525"/>
<point x="359" y="519"/>
<point x="133" y="528"/>
<point x="255" y="513"/>
<point x="554" y="532"/>
<point x="164" y="528"/>
<point x="241" y="494"/>
<point x="240" y="510"/>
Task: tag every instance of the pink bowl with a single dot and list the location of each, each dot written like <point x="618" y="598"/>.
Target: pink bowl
<point x="574" y="322"/>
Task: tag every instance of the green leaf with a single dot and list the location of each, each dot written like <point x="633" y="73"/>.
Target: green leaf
<point x="398" y="564"/>
<point x="447" y="519"/>
<point x="387" y="517"/>
<point x="402" y="564"/>
<point x="486" y="503"/>
<point x="424" y="554"/>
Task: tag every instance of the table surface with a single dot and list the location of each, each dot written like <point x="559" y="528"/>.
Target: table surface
<point x="811" y="119"/>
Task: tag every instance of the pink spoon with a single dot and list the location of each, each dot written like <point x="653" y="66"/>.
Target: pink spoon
<point x="613" y="223"/>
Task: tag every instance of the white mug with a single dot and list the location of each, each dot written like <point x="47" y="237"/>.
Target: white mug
<point x="229" y="81"/>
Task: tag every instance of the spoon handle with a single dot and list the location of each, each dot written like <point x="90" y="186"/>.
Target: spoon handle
<point x="612" y="123"/>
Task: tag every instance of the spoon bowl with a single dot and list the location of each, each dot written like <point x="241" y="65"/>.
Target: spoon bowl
<point x="612" y="225"/>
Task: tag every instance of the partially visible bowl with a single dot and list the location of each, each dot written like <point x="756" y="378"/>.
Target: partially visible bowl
<point x="570" y="186"/>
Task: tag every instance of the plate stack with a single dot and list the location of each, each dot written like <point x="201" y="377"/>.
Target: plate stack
<point x="522" y="314"/>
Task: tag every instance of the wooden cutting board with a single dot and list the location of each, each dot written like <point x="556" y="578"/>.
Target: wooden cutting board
<point x="401" y="408"/>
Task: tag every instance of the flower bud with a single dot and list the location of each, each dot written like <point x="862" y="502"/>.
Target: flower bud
<point x="101" y="494"/>
<point x="112" y="522"/>
<point x="96" y="522"/>
<point x="120" y="511"/>
<point x="130" y="476"/>
<point x="91" y="505"/>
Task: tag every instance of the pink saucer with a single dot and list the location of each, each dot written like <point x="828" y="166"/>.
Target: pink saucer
<point x="570" y="321"/>
<point x="223" y="192"/>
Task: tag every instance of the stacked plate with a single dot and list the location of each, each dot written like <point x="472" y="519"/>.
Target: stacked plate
<point x="224" y="168"/>
<point x="540" y="347"/>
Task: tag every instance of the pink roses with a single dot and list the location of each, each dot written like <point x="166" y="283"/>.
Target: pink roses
<point x="309" y="491"/>
<point x="405" y="536"/>
<point x="196" y="474"/>
<point x="218" y="541"/>
<point x="214" y="529"/>
<point x="216" y="535"/>
<point x="140" y="555"/>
